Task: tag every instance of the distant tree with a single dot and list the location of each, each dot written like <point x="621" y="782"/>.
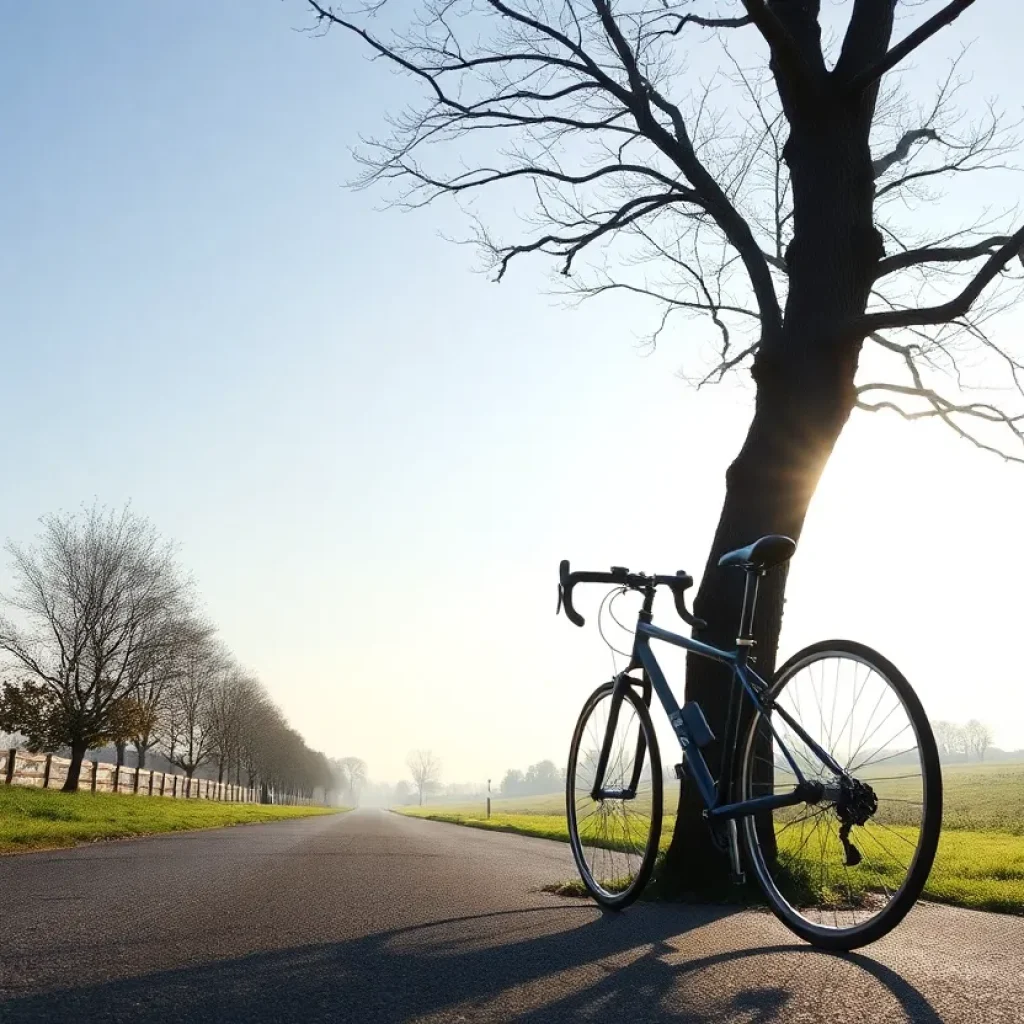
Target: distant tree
<point x="425" y="767"/>
<point x="190" y="738"/>
<point x="544" y="777"/>
<point x="946" y="737"/>
<point x="233" y="694"/>
<point x="403" y="791"/>
<point x="155" y="673"/>
<point x="92" y="599"/>
<point x="512" y="784"/>
<point x="129" y="718"/>
<point x="353" y="773"/>
<point x="977" y="737"/>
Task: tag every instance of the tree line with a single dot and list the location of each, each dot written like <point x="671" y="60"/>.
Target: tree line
<point x="105" y="644"/>
<point x="962" y="742"/>
<point x="542" y="777"/>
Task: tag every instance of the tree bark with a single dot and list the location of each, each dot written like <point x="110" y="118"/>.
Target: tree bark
<point x="805" y="394"/>
<point x="78" y="749"/>
<point x="141" y="750"/>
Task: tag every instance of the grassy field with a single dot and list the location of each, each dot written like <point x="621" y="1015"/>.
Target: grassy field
<point x="34" y="819"/>
<point x="980" y="862"/>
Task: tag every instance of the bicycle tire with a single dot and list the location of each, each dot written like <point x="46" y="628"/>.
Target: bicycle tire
<point x="900" y="902"/>
<point x="623" y="897"/>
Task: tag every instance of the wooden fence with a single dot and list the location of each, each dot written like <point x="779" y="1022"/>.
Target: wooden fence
<point x="46" y="771"/>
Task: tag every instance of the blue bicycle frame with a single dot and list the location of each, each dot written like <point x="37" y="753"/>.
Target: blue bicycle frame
<point x="692" y="729"/>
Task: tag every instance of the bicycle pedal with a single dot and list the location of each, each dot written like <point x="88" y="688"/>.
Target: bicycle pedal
<point x="680" y="771"/>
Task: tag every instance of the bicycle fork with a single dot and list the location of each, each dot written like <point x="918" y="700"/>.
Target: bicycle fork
<point x="598" y="791"/>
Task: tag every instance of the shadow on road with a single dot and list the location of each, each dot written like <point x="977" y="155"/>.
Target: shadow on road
<point x="546" y="964"/>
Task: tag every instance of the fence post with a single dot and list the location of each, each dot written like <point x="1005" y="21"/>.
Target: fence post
<point x="117" y="777"/>
<point x="12" y="756"/>
<point x="95" y="772"/>
<point x="163" y="783"/>
<point x="46" y="771"/>
<point x="175" y="793"/>
<point x="135" y="784"/>
<point x="150" y="793"/>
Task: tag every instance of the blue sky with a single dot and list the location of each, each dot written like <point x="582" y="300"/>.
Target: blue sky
<point x="372" y="456"/>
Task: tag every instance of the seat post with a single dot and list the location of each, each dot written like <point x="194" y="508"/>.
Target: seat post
<point x="745" y="637"/>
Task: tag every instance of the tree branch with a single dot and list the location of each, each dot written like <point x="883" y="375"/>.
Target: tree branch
<point x="938" y="406"/>
<point x="902" y="149"/>
<point x="791" y="61"/>
<point x="697" y="19"/>
<point x="908" y="44"/>
<point x="939" y="254"/>
<point x="947" y="311"/>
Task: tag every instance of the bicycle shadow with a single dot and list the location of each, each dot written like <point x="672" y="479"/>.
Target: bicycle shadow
<point x="543" y="965"/>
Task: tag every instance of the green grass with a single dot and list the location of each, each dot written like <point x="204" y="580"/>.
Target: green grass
<point x="980" y="861"/>
<point x="34" y="819"/>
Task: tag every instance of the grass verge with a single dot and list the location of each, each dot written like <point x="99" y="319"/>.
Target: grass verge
<point x="982" y="870"/>
<point x="35" y="819"/>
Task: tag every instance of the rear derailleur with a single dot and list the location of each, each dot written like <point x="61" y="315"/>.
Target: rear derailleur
<point x="856" y="805"/>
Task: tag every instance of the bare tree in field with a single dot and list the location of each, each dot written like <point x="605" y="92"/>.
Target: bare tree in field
<point x="91" y="602"/>
<point x="790" y="202"/>
<point x="425" y="768"/>
<point x="948" y="738"/>
<point x="978" y="737"/>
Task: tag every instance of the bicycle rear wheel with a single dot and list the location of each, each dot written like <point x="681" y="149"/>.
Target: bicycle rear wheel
<point x="843" y="870"/>
<point x="614" y="838"/>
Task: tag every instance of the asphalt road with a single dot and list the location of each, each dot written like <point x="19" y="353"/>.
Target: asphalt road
<point x="373" y="917"/>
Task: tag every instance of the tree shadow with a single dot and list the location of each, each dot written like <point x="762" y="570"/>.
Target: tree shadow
<point x="545" y="964"/>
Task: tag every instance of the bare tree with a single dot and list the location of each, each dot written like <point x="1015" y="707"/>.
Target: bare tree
<point x="189" y="737"/>
<point x="791" y="205"/>
<point x="425" y="767"/>
<point x="353" y="774"/>
<point x="978" y="738"/>
<point x="234" y="695"/>
<point x="155" y="673"/>
<point x="90" y="602"/>
<point x="948" y="738"/>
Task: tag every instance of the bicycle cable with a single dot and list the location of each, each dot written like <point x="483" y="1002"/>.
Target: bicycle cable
<point x="608" y="599"/>
<point x="611" y="612"/>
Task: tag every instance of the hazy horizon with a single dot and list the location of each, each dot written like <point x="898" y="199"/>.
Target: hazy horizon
<point x="373" y="458"/>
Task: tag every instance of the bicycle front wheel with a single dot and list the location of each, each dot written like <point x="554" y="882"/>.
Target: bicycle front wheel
<point x="842" y="869"/>
<point x="614" y="833"/>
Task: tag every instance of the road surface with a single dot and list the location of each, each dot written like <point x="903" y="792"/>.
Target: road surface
<point x="372" y="917"/>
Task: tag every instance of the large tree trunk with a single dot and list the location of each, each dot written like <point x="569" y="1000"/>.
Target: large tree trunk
<point x="141" y="750"/>
<point x="78" y="749"/>
<point x="768" y="490"/>
<point x="121" y="746"/>
<point x="805" y="393"/>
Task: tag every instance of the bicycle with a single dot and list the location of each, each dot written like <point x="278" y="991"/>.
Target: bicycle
<point x="869" y="808"/>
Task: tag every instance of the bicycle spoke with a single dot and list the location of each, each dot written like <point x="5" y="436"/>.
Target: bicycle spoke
<point x="851" y="707"/>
